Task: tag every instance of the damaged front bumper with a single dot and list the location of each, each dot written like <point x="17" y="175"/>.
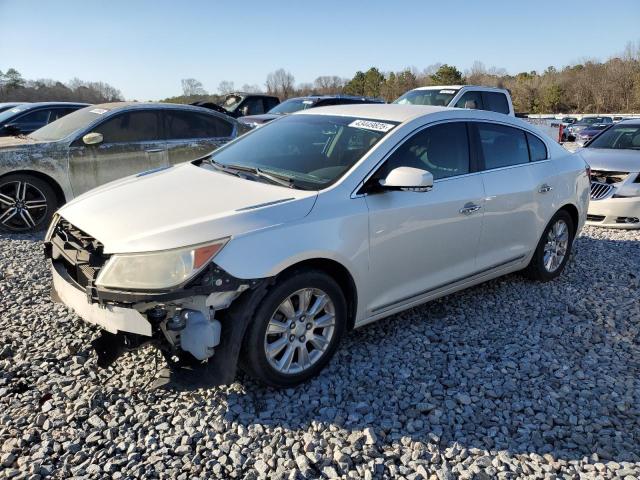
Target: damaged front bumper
<point x="188" y="324"/>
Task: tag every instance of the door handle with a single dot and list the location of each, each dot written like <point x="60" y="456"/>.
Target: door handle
<point x="155" y="150"/>
<point x="469" y="208"/>
<point x="544" y="188"/>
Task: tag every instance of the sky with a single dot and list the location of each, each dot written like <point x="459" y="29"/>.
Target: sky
<point x="144" y="47"/>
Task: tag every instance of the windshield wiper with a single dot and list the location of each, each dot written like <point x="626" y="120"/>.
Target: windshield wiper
<point x="275" y="178"/>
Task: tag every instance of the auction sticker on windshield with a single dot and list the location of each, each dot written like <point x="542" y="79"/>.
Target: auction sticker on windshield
<point x="369" y="125"/>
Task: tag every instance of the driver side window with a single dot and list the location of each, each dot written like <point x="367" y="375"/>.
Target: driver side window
<point x="442" y="150"/>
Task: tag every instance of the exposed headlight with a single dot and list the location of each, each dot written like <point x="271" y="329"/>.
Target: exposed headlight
<point x="157" y="270"/>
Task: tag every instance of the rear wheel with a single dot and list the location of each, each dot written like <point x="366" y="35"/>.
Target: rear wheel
<point x="553" y="250"/>
<point x="27" y="203"/>
<point x="296" y="329"/>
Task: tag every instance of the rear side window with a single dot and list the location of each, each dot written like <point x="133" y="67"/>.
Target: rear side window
<point x="502" y="146"/>
<point x="38" y="117"/>
<point x="470" y="99"/>
<point x="442" y="150"/>
<point x="537" y="148"/>
<point x="181" y="124"/>
<point x="130" y="127"/>
<point x="496" y="102"/>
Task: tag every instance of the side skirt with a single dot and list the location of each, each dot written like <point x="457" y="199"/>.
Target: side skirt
<point x="504" y="268"/>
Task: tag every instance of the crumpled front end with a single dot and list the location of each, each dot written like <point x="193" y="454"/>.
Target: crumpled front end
<point x="188" y="323"/>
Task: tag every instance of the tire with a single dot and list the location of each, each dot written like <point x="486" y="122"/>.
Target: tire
<point x="27" y="203"/>
<point x="292" y="332"/>
<point x="539" y="267"/>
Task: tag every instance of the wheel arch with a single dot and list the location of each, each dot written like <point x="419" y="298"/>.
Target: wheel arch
<point x="572" y="210"/>
<point x="339" y="273"/>
<point x="55" y="186"/>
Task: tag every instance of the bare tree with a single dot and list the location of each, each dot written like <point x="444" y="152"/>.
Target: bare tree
<point x="225" y="87"/>
<point x="251" y="88"/>
<point x="329" y="84"/>
<point x="280" y="83"/>
<point x="191" y="86"/>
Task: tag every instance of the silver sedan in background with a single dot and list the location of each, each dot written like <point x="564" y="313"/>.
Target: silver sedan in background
<point x="95" y="145"/>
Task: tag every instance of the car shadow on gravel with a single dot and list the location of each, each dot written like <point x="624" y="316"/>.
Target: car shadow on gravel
<point x="511" y="365"/>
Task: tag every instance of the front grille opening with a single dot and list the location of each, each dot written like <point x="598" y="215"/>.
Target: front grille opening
<point x="628" y="220"/>
<point x="600" y="190"/>
<point x="608" y="178"/>
<point x="80" y="254"/>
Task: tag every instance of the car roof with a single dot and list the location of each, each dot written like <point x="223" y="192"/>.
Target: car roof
<point x="149" y="105"/>
<point x="336" y="97"/>
<point x="458" y="87"/>
<point x="249" y="94"/>
<point x="394" y="112"/>
<point x="56" y="104"/>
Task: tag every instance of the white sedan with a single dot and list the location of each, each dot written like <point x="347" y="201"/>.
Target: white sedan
<point x="614" y="157"/>
<point x="277" y="244"/>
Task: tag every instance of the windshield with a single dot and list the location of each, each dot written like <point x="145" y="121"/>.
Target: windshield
<point x="231" y="102"/>
<point x="626" y="137"/>
<point x="68" y="124"/>
<point x="313" y="151"/>
<point x="7" y="114"/>
<point x="435" y="97"/>
<point x="293" y="105"/>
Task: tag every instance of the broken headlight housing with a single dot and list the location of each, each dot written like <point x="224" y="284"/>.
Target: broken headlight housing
<point x="157" y="270"/>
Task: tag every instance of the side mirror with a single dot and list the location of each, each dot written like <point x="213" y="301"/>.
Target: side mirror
<point x="408" y="179"/>
<point x="92" y="138"/>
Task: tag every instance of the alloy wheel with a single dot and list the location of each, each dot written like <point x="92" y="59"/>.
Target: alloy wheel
<point x="22" y="206"/>
<point x="555" y="249"/>
<point x="300" y="331"/>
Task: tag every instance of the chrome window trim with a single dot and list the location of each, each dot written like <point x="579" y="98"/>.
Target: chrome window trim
<point x="355" y="194"/>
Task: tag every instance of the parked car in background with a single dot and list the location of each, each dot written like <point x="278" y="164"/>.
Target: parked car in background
<point x="460" y="96"/>
<point x="7" y="105"/>
<point x="242" y="104"/>
<point x="28" y="117"/>
<point x="590" y="132"/>
<point x="614" y="157"/>
<point x="325" y="220"/>
<point x="576" y="127"/>
<point x="293" y="105"/>
<point x="96" y="145"/>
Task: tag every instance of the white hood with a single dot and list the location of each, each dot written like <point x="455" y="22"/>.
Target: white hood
<point x="181" y="206"/>
<point x="611" y="159"/>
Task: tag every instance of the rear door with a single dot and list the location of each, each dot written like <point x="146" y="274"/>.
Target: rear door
<point x="191" y="135"/>
<point x="132" y="143"/>
<point x="510" y="227"/>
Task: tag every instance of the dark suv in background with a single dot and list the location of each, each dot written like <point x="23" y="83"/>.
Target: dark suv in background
<point x="240" y="104"/>
<point x="25" y="118"/>
<point x="302" y="103"/>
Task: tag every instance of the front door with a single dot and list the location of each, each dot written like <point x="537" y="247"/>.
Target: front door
<point x="131" y="144"/>
<point x="423" y="241"/>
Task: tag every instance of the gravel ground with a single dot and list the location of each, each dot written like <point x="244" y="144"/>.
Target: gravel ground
<point x="510" y="379"/>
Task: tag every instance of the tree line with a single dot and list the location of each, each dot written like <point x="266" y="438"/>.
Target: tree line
<point x="590" y="86"/>
<point x="14" y="88"/>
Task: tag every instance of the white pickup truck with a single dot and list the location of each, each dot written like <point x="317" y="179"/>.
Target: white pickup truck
<point x="461" y="96"/>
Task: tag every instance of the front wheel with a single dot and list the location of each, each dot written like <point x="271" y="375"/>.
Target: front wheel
<point x="296" y="329"/>
<point x="553" y="250"/>
<point x="27" y="203"/>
